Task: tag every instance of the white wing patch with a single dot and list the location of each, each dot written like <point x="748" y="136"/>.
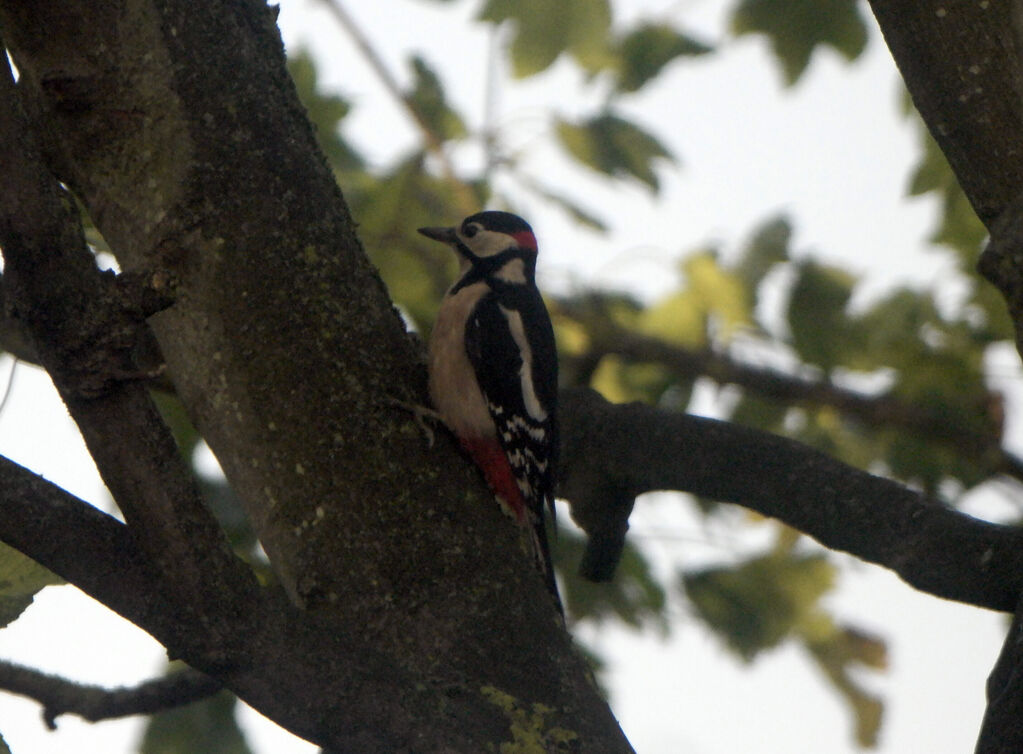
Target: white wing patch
<point x="518" y="333"/>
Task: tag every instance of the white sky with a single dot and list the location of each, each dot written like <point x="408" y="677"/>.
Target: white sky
<point x="833" y="153"/>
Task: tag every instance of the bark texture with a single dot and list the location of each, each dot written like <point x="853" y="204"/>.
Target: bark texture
<point x="408" y="617"/>
<point x="961" y="62"/>
<point x="176" y="125"/>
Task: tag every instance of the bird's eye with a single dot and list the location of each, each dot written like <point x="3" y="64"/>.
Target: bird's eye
<point x="470" y="230"/>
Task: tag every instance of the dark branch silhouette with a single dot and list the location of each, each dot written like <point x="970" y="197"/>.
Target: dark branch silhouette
<point x="611" y="453"/>
<point x="963" y="66"/>
<point x="60" y="696"/>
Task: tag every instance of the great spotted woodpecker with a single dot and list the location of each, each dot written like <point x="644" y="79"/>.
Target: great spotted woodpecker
<point x="493" y="368"/>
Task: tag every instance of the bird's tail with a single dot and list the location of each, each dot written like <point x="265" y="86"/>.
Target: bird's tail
<point x="542" y="552"/>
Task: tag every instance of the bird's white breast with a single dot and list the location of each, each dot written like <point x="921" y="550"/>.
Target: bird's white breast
<point x="453" y="386"/>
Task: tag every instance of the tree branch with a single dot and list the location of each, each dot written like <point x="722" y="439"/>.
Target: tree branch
<point x="84" y="324"/>
<point x="959" y="61"/>
<point x="637" y="448"/>
<point x="1002" y="729"/>
<point x="84" y="546"/>
<point x="963" y="65"/>
<point x="283" y="346"/>
<point x="1002" y="261"/>
<point x="59" y="696"/>
<point x="881" y="411"/>
<point x="13" y="337"/>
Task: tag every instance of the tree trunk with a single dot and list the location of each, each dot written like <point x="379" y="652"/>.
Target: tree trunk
<point x="961" y="62"/>
<point x="413" y="619"/>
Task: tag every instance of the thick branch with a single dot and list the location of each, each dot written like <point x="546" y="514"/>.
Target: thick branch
<point x="937" y="550"/>
<point x="1002" y="729"/>
<point x="1002" y="261"/>
<point x="84" y="324"/>
<point x="13" y="337"/>
<point x="84" y="546"/>
<point x="59" y="696"/>
<point x="182" y="135"/>
<point x="960" y="63"/>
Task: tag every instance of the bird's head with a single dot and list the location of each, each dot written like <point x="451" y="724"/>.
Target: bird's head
<point x="486" y="234"/>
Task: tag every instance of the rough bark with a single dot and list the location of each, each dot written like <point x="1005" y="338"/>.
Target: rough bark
<point x="961" y="63"/>
<point x="177" y="127"/>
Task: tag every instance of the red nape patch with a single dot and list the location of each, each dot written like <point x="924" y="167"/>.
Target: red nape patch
<point x="525" y="239"/>
<point x="488" y="455"/>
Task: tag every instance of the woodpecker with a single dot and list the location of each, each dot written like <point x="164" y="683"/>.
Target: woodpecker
<point x="493" y="368"/>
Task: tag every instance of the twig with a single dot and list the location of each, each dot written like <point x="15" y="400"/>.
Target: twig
<point x="466" y="199"/>
<point x="60" y="696"/>
<point x="873" y="411"/>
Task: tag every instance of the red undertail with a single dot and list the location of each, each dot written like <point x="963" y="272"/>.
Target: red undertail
<point x="489" y="456"/>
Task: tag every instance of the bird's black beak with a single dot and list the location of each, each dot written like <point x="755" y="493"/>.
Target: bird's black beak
<point x="444" y="235"/>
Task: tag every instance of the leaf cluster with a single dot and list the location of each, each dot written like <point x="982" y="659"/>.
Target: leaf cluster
<point x="767" y="599"/>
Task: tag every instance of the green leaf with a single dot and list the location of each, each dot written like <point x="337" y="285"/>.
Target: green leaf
<point x="754" y="411"/>
<point x="569" y="206"/>
<point x="796" y="27"/>
<point x="679" y="318"/>
<point x="647" y="49"/>
<point x="207" y="725"/>
<point x="756" y="605"/>
<point x="544" y="30"/>
<point x="895" y="328"/>
<point x="21" y="578"/>
<point x="172" y="410"/>
<point x="722" y="295"/>
<point x="390" y="207"/>
<point x="837" y="654"/>
<point x="959" y="226"/>
<point x="997" y="324"/>
<point x="712" y="296"/>
<point x="614" y="146"/>
<point x="326" y="111"/>
<point x="817" y="316"/>
<point x="933" y="172"/>
<point x="427" y="98"/>
<point x="634" y="597"/>
<point x="621" y="382"/>
<point x="768" y="246"/>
